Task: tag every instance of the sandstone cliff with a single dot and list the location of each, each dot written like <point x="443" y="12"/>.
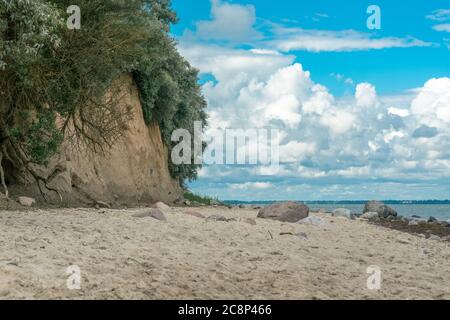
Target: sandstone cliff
<point x="134" y="172"/>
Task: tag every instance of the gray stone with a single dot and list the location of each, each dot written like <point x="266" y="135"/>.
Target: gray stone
<point x="285" y="212"/>
<point x="370" y="216"/>
<point x="383" y="210"/>
<point x="302" y="235"/>
<point x="445" y="224"/>
<point x="216" y="218"/>
<point x="314" y="221"/>
<point x="250" y="221"/>
<point x="195" y="214"/>
<point x="102" y="205"/>
<point x="152" y="213"/>
<point x="26" y="201"/>
<point x="214" y="203"/>
<point x="178" y="201"/>
<point x="345" y="213"/>
<point x="434" y="238"/>
<point x="413" y="223"/>
<point x="432" y="219"/>
<point x="161" y="206"/>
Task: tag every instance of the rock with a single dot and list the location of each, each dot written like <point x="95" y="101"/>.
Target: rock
<point x="370" y="216"/>
<point x="195" y="214"/>
<point x="157" y="214"/>
<point x="216" y="218"/>
<point x="434" y="238"/>
<point x="250" y="221"/>
<point x="242" y="206"/>
<point x="285" y="212"/>
<point x="187" y="203"/>
<point x="391" y="218"/>
<point x="302" y="235"/>
<point x="152" y="213"/>
<point x="26" y="201"/>
<point x="161" y="206"/>
<point x="413" y="223"/>
<point x="102" y="205"/>
<point x="214" y="203"/>
<point x="432" y="220"/>
<point x="403" y="241"/>
<point x="383" y="210"/>
<point x="178" y="201"/>
<point x="343" y="213"/>
<point x="405" y="219"/>
<point x="416" y="217"/>
<point x="445" y="224"/>
<point x="314" y="221"/>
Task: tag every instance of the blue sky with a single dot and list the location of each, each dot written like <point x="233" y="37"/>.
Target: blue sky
<point x="364" y="113"/>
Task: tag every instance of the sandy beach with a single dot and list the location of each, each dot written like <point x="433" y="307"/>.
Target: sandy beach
<point x="122" y="256"/>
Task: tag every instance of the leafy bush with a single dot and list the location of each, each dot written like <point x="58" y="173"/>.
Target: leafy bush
<point x="48" y="71"/>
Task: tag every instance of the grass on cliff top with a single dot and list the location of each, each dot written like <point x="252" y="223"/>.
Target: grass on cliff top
<point x="195" y="198"/>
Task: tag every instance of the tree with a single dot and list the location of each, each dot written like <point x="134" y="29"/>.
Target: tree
<point x="48" y="72"/>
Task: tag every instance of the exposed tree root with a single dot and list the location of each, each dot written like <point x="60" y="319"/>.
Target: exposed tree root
<point x="2" y="176"/>
<point x="14" y="154"/>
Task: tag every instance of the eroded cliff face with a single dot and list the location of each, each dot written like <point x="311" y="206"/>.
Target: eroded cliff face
<point x="134" y="171"/>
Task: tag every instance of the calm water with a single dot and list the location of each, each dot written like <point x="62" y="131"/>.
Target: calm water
<point x="439" y="211"/>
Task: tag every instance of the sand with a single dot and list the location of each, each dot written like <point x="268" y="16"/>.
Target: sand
<point x="124" y="257"/>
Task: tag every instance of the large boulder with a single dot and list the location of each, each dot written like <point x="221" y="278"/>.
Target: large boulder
<point x="370" y="216"/>
<point x="152" y="213"/>
<point x="285" y="212"/>
<point x="383" y="210"/>
<point x="161" y="206"/>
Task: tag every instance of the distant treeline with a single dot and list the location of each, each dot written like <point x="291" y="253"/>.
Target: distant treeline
<point x="356" y="202"/>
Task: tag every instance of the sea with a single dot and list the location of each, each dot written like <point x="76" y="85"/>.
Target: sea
<point x="424" y="209"/>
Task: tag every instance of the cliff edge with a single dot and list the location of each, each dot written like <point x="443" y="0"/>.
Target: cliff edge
<point x="135" y="171"/>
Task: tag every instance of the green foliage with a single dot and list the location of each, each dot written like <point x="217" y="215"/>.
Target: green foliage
<point x="48" y="71"/>
<point x="43" y="138"/>
<point x="200" y="199"/>
<point x="171" y="96"/>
